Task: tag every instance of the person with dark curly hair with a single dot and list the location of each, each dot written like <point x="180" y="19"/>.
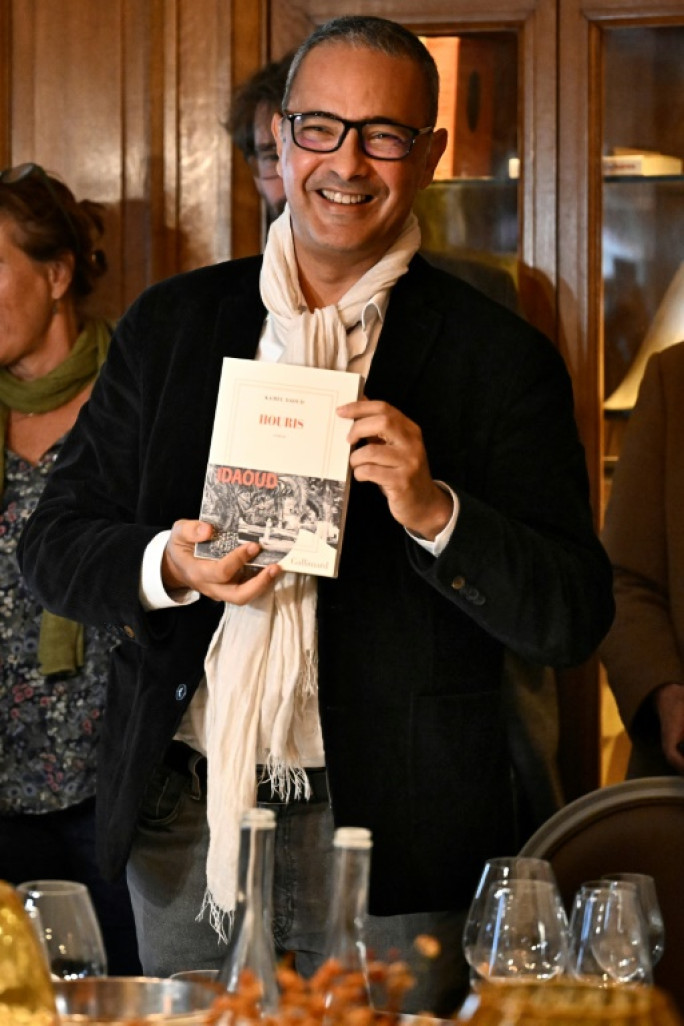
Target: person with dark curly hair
<point x="255" y="102"/>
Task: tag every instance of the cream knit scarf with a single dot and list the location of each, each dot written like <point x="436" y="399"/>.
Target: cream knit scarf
<point x="261" y="667"/>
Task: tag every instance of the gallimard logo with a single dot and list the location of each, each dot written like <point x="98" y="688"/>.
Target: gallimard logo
<point x="307" y="564"/>
<point x="253" y="478"/>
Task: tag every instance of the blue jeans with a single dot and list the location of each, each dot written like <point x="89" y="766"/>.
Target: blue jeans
<point x="167" y="881"/>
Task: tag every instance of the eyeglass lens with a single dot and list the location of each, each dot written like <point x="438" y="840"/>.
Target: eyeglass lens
<point x="264" y="163"/>
<point x="324" y="133"/>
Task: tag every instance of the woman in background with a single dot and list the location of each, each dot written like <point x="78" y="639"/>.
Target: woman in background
<point x="644" y="537"/>
<point x="52" y="671"/>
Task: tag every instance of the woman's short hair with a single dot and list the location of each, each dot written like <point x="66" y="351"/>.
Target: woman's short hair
<point x="48" y="221"/>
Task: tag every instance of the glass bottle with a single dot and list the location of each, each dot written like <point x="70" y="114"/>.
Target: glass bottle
<point x="251" y="949"/>
<point x="345" y="945"/>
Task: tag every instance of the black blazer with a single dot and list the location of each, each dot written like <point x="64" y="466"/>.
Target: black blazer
<point x="410" y="646"/>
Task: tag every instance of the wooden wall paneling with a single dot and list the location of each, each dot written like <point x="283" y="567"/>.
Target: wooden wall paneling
<point x="249" y="52"/>
<point x="292" y="20"/>
<point x="579" y="208"/>
<point x="204" y="148"/>
<point x="65" y="114"/>
<point x="578" y="263"/>
<point x="126" y="102"/>
<point x="5" y="81"/>
<point x="538" y="270"/>
<point x="147" y="249"/>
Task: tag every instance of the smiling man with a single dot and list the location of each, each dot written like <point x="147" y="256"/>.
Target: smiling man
<point x="469" y="531"/>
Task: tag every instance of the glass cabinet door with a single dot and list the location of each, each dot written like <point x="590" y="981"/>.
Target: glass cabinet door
<point x="469" y="215"/>
<point x="642" y="246"/>
<point x="642" y="232"/>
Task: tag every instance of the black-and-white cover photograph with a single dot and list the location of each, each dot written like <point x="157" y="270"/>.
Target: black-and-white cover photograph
<point x="278" y="470"/>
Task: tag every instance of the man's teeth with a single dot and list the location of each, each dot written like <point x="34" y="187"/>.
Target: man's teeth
<point x="343" y="197"/>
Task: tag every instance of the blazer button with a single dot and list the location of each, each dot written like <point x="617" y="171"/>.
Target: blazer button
<point x="128" y="631"/>
<point x="458" y="583"/>
<point x="181" y="692"/>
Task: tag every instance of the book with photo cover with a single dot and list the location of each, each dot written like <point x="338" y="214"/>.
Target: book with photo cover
<point x="278" y="470"/>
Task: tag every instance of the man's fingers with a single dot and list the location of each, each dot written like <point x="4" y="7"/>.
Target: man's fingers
<point x="240" y="594"/>
<point x="188" y="532"/>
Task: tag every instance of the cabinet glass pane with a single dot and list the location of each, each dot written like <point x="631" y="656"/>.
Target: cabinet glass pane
<point x="643" y="210"/>
<point x="469" y="215"/>
<point x="642" y="247"/>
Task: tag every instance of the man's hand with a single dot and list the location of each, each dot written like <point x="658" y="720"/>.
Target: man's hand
<point x="393" y="457"/>
<point x="669" y="701"/>
<point x="222" y="579"/>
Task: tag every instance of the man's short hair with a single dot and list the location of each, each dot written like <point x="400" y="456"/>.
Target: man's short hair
<point x="373" y="33"/>
<point x="267" y="86"/>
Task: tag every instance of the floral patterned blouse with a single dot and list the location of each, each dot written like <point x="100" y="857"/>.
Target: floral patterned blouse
<point x="48" y="725"/>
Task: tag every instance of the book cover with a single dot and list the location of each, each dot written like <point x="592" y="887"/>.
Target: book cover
<point x="278" y="470"/>
<point x="641" y="163"/>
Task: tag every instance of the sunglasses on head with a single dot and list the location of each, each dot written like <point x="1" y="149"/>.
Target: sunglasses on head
<point x="14" y="175"/>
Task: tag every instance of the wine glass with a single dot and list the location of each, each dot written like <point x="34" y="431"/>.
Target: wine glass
<point x="523" y="934"/>
<point x="72" y="932"/>
<point x="608" y="942"/>
<point x="648" y="899"/>
<point x="500" y="871"/>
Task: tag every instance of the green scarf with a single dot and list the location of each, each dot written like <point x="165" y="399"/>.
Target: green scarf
<point x="60" y="645"/>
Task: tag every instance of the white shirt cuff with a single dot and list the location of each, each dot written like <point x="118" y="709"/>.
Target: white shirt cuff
<point x="438" y="544"/>
<point x="153" y="594"/>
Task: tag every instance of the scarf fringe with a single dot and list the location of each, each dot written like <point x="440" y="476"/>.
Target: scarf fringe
<point x="287" y="782"/>
<point x="219" y="918"/>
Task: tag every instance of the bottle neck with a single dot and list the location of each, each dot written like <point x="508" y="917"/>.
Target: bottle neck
<point x="250" y="957"/>
<point x="349" y="905"/>
<point x="255" y="869"/>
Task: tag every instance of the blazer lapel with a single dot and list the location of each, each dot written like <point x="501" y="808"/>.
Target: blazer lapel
<point x="240" y="318"/>
<point x="410" y="330"/>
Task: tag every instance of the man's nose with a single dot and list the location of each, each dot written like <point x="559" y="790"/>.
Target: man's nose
<point x="349" y="156"/>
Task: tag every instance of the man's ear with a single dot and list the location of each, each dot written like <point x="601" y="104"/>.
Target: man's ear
<point x="61" y="273"/>
<point x="277" y="123"/>
<point x="438" y="141"/>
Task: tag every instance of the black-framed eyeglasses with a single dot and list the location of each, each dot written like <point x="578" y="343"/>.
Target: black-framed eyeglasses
<point x="263" y="163"/>
<point x="14" y="175"/>
<point x="320" y="132"/>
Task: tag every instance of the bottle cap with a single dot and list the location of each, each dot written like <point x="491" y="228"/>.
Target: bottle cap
<point x="353" y="837"/>
<point x="262" y="818"/>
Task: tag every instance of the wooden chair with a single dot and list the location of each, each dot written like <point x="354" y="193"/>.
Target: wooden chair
<point x="636" y="826"/>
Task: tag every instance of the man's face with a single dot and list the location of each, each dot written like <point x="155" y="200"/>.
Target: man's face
<point x="348" y="208"/>
<point x="268" y="182"/>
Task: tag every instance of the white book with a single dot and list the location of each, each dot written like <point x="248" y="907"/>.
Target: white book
<point x="278" y="470"/>
<point x="637" y="163"/>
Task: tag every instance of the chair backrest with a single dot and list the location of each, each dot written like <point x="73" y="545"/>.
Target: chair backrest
<point x="636" y="826"/>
